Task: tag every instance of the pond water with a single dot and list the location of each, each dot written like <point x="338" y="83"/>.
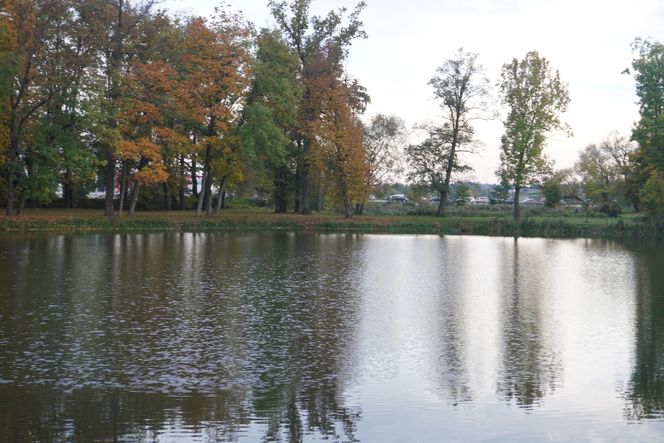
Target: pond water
<point x="276" y="336"/>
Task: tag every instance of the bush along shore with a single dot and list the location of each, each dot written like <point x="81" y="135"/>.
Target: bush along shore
<point x="634" y="227"/>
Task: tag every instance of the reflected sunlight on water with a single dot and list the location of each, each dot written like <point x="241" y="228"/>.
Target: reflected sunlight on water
<point x="302" y="336"/>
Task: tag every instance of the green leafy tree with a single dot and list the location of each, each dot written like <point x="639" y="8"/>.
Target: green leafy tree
<point x="639" y="173"/>
<point x="605" y="170"/>
<point x="270" y="117"/>
<point x="463" y="194"/>
<point x="552" y="192"/>
<point x="52" y="56"/>
<point x="649" y="74"/>
<point x="648" y="161"/>
<point x="535" y="96"/>
<point x="117" y="40"/>
<point x="652" y="193"/>
<point x="384" y="139"/>
<point x="597" y="173"/>
<point x="500" y="193"/>
<point x="7" y="70"/>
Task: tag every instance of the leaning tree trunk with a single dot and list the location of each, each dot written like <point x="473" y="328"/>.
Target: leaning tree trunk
<point x="441" y="206"/>
<point x="205" y="185"/>
<point x="220" y="197"/>
<point x="442" y="202"/>
<point x="201" y="195"/>
<point x="134" y="198"/>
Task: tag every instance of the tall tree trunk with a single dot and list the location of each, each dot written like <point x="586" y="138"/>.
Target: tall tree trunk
<point x="304" y="178"/>
<point x="280" y="202"/>
<point x="110" y="182"/>
<point x="113" y="94"/>
<point x="281" y="191"/>
<point x="298" y="171"/>
<point x="12" y="158"/>
<point x="348" y="204"/>
<point x="167" y="197"/>
<point x="134" y="198"/>
<point x="181" y="185"/>
<point x="348" y="208"/>
<point x="194" y="178"/>
<point x="201" y="195"/>
<point x="208" y="195"/>
<point x="442" y="203"/>
<point x="320" y="193"/>
<point x="67" y="192"/>
<point x="21" y="204"/>
<point x="123" y="187"/>
<point x="220" y="197"/>
<point x="206" y="185"/>
<point x="517" y="206"/>
<point x="70" y="197"/>
<point x="10" y="191"/>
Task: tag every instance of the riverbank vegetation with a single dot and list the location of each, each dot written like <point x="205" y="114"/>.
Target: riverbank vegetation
<point x="156" y="111"/>
<point x="395" y="218"/>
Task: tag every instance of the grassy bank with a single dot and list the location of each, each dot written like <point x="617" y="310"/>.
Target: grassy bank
<point x="626" y="227"/>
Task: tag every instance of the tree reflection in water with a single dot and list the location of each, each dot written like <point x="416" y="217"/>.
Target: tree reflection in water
<point x="531" y="366"/>
<point x="645" y="393"/>
<point x="162" y="334"/>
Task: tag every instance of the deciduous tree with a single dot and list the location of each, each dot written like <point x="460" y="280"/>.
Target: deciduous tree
<point x="270" y="117"/>
<point x="430" y="162"/>
<point x="648" y="162"/>
<point x="462" y="89"/>
<point x="116" y="27"/>
<point x="216" y="64"/>
<point x="534" y="96"/>
<point x="338" y="155"/>
<point x="7" y="71"/>
<point x="309" y="37"/>
<point x="384" y="144"/>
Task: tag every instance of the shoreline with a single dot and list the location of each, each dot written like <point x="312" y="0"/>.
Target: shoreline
<point x="51" y="221"/>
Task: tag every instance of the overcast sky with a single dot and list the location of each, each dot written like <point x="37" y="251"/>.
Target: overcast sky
<point x="588" y="41"/>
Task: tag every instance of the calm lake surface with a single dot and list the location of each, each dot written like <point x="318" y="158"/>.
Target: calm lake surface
<point x="275" y="336"/>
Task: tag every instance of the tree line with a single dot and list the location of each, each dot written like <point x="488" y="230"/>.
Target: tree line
<point x="121" y="92"/>
<point x="620" y="171"/>
<point x="119" y="95"/>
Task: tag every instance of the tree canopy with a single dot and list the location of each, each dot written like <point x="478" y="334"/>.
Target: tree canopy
<point x="535" y="96"/>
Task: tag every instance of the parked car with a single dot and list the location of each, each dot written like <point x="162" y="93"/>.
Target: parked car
<point x="396" y="198"/>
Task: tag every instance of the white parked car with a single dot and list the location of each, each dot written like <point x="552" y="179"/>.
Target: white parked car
<point x="397" y="198"/>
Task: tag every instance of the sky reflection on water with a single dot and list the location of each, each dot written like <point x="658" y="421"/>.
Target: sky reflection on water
<point x="303" y="336"/>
